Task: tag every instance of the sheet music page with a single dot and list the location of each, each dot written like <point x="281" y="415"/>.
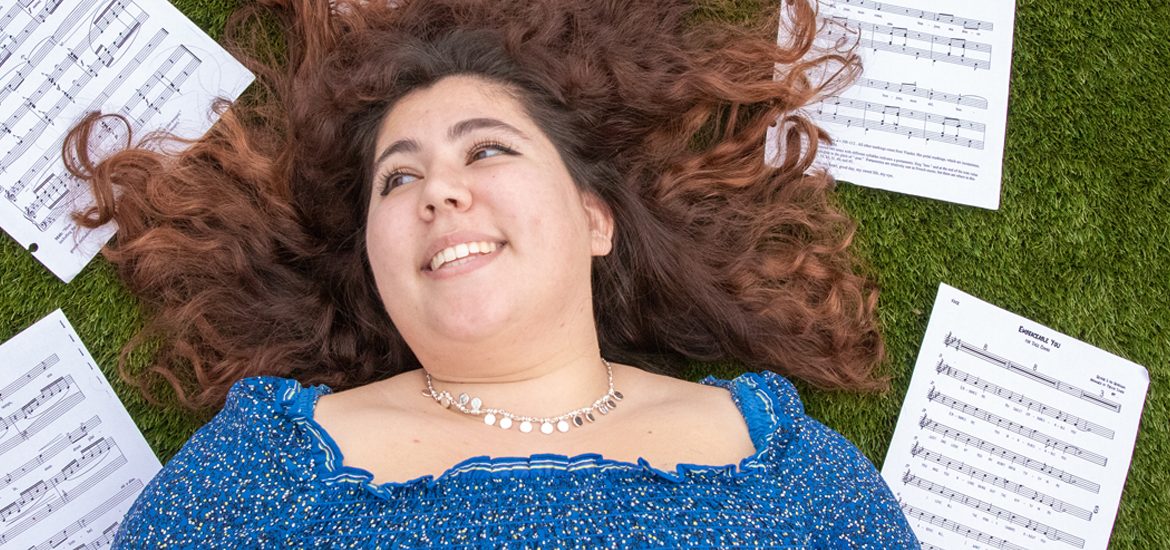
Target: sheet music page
<point x="929" y="114"/>
<point x="1012" y="435"/>
<point x="60" y="60"/>
<point x="72" y="459"/>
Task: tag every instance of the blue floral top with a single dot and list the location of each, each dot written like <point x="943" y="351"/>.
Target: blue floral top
<point x="263" y="473"/>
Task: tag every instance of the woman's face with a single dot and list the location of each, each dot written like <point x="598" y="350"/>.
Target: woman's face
<point x="475" y="228"/>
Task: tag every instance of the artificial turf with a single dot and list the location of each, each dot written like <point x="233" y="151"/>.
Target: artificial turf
<point x="1080" y="242"/>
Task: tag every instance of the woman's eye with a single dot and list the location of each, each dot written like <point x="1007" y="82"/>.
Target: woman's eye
<point x="488" y="150"/>
<point x="396" y="179"/>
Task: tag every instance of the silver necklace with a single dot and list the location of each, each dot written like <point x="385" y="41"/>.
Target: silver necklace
<point x="576" y="418"/>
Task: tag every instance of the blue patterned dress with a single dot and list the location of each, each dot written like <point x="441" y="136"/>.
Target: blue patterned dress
<point x="263" y="473"/>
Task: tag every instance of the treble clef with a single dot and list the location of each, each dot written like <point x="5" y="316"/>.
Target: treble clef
<point x="951" y="341"/>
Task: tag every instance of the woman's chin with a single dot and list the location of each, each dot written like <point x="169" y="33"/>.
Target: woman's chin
<point x="469" y="324"/>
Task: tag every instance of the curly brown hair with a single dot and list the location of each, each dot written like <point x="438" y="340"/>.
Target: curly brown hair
<point x="246" y="248"/>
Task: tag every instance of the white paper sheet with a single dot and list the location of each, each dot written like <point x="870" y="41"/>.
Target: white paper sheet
<point x="929" y="114"/>
<point x="1012" y="435"/>
<point x="72" y="459"/>
<point x="62" y="59"/>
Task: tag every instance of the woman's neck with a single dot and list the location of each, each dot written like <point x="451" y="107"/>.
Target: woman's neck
<point x="527" y="386"/>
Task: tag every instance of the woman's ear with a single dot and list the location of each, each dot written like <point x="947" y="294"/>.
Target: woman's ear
<point x="600" y="224"/>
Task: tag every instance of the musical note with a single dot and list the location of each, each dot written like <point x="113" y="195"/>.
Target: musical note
<point x="945" y="73"/>
<point x="47" y="453"/>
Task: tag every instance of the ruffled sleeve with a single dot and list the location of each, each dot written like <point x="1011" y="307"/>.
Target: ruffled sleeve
<point x="848" y="503"/>
<point x="855" y="505"/>
<point x="229" y="482"/>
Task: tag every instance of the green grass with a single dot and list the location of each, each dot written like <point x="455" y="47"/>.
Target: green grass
<point x="1080" y="242"/>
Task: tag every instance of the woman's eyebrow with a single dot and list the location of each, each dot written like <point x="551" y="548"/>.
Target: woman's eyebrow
<point x="456" y="131"/>
<point x="465" y="127"/>
<point x="400" y="146"/>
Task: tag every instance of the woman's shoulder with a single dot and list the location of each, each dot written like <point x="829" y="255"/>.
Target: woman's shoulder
<point x="844" y="492"/>
<point x="244" y="459"/>
<point x="777" y="420"/>
<point x="259" y="394"/>
<point x="769" y="405"/>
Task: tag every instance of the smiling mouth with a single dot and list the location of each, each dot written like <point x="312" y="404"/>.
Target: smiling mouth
<point x="461" y="251"/>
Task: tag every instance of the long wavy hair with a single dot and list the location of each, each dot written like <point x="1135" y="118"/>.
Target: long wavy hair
<point x="246" y="247"/>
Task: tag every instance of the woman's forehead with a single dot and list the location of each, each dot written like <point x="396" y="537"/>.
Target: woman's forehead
<point x="451" y="100"/>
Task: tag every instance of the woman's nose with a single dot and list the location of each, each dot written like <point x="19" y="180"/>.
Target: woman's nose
<point x="443" y="191"/>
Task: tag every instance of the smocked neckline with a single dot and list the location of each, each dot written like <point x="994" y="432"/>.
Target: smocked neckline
<point x="764" y="419"/>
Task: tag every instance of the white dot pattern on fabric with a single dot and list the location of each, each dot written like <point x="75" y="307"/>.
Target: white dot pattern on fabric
<point x="264" y="473"/>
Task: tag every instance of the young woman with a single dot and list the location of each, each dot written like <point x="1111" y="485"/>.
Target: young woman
<point x="449" y="261"/>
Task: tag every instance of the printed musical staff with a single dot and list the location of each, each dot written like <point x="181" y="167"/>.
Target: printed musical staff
<point x="62" y="60"/>
<point x="959" y="528"/>
<point x="892" y="119"/>
<point x="1023" y="401"/>
<point x="1030" y="433"/>
<point x="966" y="23"/>
<point x="161" y="85"/>
<point x="911" y="89"/>
<point x="122" y="497"/>
<point x="966" y="347"/>
<point x="993" y="510"/>
<point x="1006" y="454"/>
<point x="912" y="43"/>
<point x="109" y="135"/>
<point x="928" y="116"/>
<point x="985" y="442"/>
<point x="28" y="377"/>
<point x="987" y="477"/>
<point x="51" y="198"/>
<point x="29" y="516"/>
<point x="73" y="462"/>
<point x="40" y="420"/>
<point x="58" y="444"/>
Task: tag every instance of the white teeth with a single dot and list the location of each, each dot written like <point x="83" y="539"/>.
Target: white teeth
<point x="461" y="250"/>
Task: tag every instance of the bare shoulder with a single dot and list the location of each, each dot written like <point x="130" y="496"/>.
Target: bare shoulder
<point x="374" y="412"/>
<point x="668" y="391"/>
<point x="703" y="418"/>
